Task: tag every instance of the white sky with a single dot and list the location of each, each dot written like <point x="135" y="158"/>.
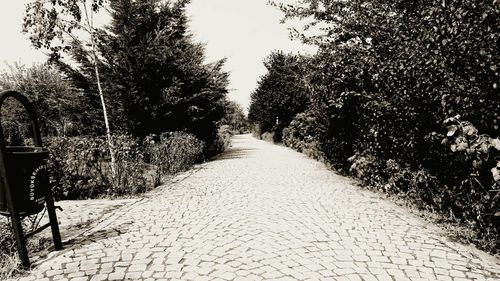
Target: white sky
<point x="15" y="46"/>
<point x="243" y="31"/>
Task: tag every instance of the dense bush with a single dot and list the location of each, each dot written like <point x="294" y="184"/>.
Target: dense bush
<point x="300" y="135"/>
<point x="475" y="183"/>
<point x="268" y="136"/>
<point x="80" y="165"/>
<point x="170" y="153"/>
<point x="224" y="134"/>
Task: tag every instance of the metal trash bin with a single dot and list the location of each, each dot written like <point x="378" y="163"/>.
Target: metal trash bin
<point x="27" y="174"/>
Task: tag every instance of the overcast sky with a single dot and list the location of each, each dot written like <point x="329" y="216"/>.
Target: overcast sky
<point x="243" y="31"/>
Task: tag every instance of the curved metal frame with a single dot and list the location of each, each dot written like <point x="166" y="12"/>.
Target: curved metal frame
<point x="49" y="200"/>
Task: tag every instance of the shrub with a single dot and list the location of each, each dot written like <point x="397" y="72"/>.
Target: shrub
<point x="475" y="193"/>
<point x="268" y="136"/>
<point x="479" y="154"/>
<point x="224" y="135"/>
<point x="467" y="191"/>
<point x="368" y="168"/>
<point x="300" y="135"/>
<point x="417" y="185"/>
<point x="131" y="174"/>
<point x="171" y="153"/>
<point x="220" y="142"/>
<point x="80" y="167"/>
<point x="256" y="131"/>
<point x="75" y="165"/>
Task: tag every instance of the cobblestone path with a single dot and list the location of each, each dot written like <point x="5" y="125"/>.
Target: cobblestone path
<point x="262" y="211"/>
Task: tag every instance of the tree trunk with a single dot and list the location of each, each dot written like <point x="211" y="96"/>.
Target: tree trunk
<point x="106" y="122"/>
<point x="101" y="96"/>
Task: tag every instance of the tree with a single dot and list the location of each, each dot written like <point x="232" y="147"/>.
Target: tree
<point x="234" y="117"/>
<point x="153" y="71"/>
<point x="413" y="64"/>
<point x="53" y="25"/>
<point x="52" y="97"/>
<point x="280" y="93"/>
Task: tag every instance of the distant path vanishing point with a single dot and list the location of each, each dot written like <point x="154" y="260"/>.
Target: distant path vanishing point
<point x="262" y="211"/>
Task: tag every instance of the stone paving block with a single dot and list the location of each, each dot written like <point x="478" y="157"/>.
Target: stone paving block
<point x="99" y="277"/>
<point x="368" y="277"/>
<point x="106" y="270"/>
<point x="116" y="276"/>
<point x="133" y="275"/>
<point x="173" y="274"/>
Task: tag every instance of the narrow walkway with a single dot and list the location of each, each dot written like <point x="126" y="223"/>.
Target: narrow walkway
<point x="262" y="211"/>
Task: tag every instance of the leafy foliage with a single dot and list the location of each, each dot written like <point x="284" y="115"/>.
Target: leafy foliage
<point x="80" y="170"/>
<point x="153" y="76"/>
<point x="234" y="118"/>
<point x="53" y="25"/>
<point x="79" y="167"/>
<point x="279" y="95"/>
<point x="171" y="153"/>
<point x="59" y="107"/>
<point x="300" y="135"/>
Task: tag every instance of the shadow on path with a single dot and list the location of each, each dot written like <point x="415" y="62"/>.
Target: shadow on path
<point x="234" y="153"/>
<point x="84" y="239"/>
<point x="96" y="236"/>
